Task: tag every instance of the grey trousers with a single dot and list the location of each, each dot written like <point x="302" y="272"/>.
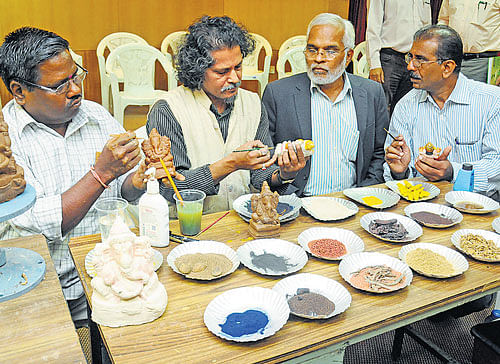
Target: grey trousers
<point x="396" y="77"/>
<point x="476" y="69"/>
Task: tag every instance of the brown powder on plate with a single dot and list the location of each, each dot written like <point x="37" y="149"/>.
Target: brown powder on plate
<point x="378" y="279"/>
<point x="428" y="262"/>
<point x="431" y="218"/>
<point x="309" y="304"/>
<point x="203" y="266"/>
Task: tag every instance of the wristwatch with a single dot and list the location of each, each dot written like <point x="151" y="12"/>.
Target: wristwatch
<point x="283" y="181"/>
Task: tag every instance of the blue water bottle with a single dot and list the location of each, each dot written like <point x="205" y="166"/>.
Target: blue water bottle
<point x="465" y="179"/>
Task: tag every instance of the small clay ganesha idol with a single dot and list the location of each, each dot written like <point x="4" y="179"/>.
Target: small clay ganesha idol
<point x="265" y="222"/>
<point x="155" y="148"/>
<point x="430" y="150"/>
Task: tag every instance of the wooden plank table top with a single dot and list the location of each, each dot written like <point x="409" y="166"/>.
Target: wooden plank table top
<point x="180" y="335"/>
<point x="37" y="327"/>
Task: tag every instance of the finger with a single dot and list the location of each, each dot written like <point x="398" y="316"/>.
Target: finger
<point x="394" y="152"/>
<point x="180" y="177"/>
<point x="445" y="154"/>
<point x="135" y="161"/>
<point x="286" y="157"/>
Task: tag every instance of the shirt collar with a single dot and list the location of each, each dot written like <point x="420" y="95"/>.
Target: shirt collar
<point x="459" y="95"/>
<point x="347" y="88"/>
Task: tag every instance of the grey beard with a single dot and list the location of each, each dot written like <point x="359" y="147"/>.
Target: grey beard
<point x="330" y="77"/>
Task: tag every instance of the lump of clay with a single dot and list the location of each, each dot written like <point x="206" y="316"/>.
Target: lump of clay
<point x="307" y="147"/>
<point x="12" y="181"/>
<point x="126" y="288"/>
<point x="157" y="147"/>
<point x="265" y="220"/>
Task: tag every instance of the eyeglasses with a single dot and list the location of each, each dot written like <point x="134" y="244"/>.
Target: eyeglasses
<point x="64" y="87"/>
<point x="330" y="53"/>
<point x="417" y="63"/>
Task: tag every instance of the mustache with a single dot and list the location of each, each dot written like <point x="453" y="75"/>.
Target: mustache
<point x="230" y="87"/>
<point x="415" y="76"/>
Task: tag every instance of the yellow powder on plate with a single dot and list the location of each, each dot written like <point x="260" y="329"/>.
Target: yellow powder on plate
<point x="372" y="200"/>
<point x="428" y="262"/>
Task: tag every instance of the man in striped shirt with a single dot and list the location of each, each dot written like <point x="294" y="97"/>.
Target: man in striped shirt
<point x="458" y="115"/>
<point x="345" y="115"/>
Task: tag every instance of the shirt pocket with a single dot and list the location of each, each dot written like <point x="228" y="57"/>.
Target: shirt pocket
<point x="467" y="150"/>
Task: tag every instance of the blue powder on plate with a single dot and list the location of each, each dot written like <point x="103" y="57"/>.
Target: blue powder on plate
<point x="249" y="322"/>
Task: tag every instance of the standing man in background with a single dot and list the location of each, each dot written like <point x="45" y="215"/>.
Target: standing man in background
<point x="389" y="35"/>
<point x="478" y="24"/>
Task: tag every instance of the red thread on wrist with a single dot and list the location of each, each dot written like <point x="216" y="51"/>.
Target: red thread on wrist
<point x="96" y="176"/>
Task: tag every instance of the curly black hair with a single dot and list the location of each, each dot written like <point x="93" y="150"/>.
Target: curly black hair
<point x="205" y="36"/>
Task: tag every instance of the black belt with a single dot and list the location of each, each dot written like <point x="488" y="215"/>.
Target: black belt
<point x="393" y="52"/>
<point x="481" y="55"/>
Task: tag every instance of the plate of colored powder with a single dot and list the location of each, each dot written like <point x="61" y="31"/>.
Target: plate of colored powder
<point x="377" y="198"/>
<point x="433" y="215"/>
<point x="482" y="245"/>
<point x="375" y="272"/>
<point x="391" y="227"/>
<point x="288" y="205"/>
<point x="433" y="260"/>
<point x="401" y="188"/>
<point x="246" y="314"/>
<point x="282" y="220"/>
<point x="314" y="296"/>
<point x="203" y="260"/>
<point x="496" y="225"/>
<point x="330" y="243"/>
<point x="272" y="257"/>
<point x="325" y="208"/>
<point x="156" y="260"/>
<point x="471" y="202"/>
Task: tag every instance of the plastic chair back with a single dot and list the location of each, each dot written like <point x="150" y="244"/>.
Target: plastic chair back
<point x="292" y="42"/>
<point x="172" y="42"/>
<point x="295" y="58"/>
<point x="359" y="61"/>
<point x="251" y="62"/>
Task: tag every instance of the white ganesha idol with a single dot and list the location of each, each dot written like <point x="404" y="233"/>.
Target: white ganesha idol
<point x="126" y="290"/>
<point x="307" y="147"/>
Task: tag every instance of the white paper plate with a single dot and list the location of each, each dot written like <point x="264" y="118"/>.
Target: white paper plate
<point x="429" y="187"/>
<point x="282" y="220"/>
<point x="355" y="262"/>
<point x="458" y="261"/>
<point x="203" y="247"/>
<point x="496" y="225"/>
<point x="310" y="205"/>
<point x="294" y="256"/>
<point x="242" y="205"/>
<point x="488" y="235"/>
<point x="388" y="197"/>
<point x="352" y="242"/>
<point x="241" y="299"/>
<point x="454" y="197"/>
<point x="442" y="210"/>
<point x="89" y="264"/>
<point x="414" y="229"/>
<point x="324" y="286"/>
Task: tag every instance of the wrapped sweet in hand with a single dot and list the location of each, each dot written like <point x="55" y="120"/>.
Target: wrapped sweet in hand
<point x="306" y="145"/>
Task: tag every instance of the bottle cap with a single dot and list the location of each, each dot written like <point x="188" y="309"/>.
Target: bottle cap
<point x="467" y="166"/>
<point x="152" y="186"/>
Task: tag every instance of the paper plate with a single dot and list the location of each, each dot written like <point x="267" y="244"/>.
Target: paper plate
<point x="458" y="261"/>
<point x="240" y="300"/>
<point x="388" y="197"/>
<point x="352" y="242"/>
<point x="488" y="235"/>
<point x="320" y="207"/>
<point x="441" y="210"/>
<point x="355" y="262"/>
<point x="414" y="229"/>
<point x="203" y="247"/>
<point x="429" y="187"/>
<point x="287" y="257"/>
<point x="282" y="219"/>
<point x="288" y="205"/>
<point x="496" y="225"/>
<point x="455" y="197"/>
<point x="89" y="264"/>
<point x="324" y="286"/>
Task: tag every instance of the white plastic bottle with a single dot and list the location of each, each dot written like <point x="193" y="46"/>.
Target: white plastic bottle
<point x="153" y="214"/>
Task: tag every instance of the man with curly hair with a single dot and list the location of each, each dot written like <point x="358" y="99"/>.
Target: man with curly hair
<point x="219" y="133"/>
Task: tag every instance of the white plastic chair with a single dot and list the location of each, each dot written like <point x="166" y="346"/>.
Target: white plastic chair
<point x="78" y="59"/>
<point x="251" y="63"/>
<point x="359" y="61"/>
<point x="295" y="58"/>
<point x="172" y="41"/>
<point x="295" y="41"/>
<point x="137" y="62"/>
<point x="111" y="42"/>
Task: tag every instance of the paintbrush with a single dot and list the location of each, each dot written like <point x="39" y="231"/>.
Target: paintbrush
<point x="172" y="182"/>
<point x="392" y="136"/>
<point x="251" y="150"/>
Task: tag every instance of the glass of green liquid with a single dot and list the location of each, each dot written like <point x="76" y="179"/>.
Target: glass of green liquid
<point x="189" y="211"/>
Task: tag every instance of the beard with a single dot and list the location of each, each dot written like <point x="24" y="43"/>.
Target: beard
<point x="330" y="77"/>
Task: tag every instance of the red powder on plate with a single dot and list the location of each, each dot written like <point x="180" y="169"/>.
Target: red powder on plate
<point x="327" y="248"/>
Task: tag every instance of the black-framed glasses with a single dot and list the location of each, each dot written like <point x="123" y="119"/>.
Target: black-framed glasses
<point x="417" y="63"/>
<point x="329" y="53"/>
<point x="64" y="87"/>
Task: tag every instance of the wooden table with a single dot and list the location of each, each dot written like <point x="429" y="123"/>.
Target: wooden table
<point x="36" y="327"/>
<point x="180" y="335"/>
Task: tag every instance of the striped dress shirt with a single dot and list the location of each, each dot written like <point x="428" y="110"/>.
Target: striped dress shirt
<point x="335" y="135"/>
<point x="53" y="164"/>
<point x="469" y="122"/>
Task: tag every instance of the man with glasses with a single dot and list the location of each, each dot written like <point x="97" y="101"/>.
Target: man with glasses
<point x="458" y="115"/>
<point x="344" y="115"/>
<point x="56" y="136"/>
